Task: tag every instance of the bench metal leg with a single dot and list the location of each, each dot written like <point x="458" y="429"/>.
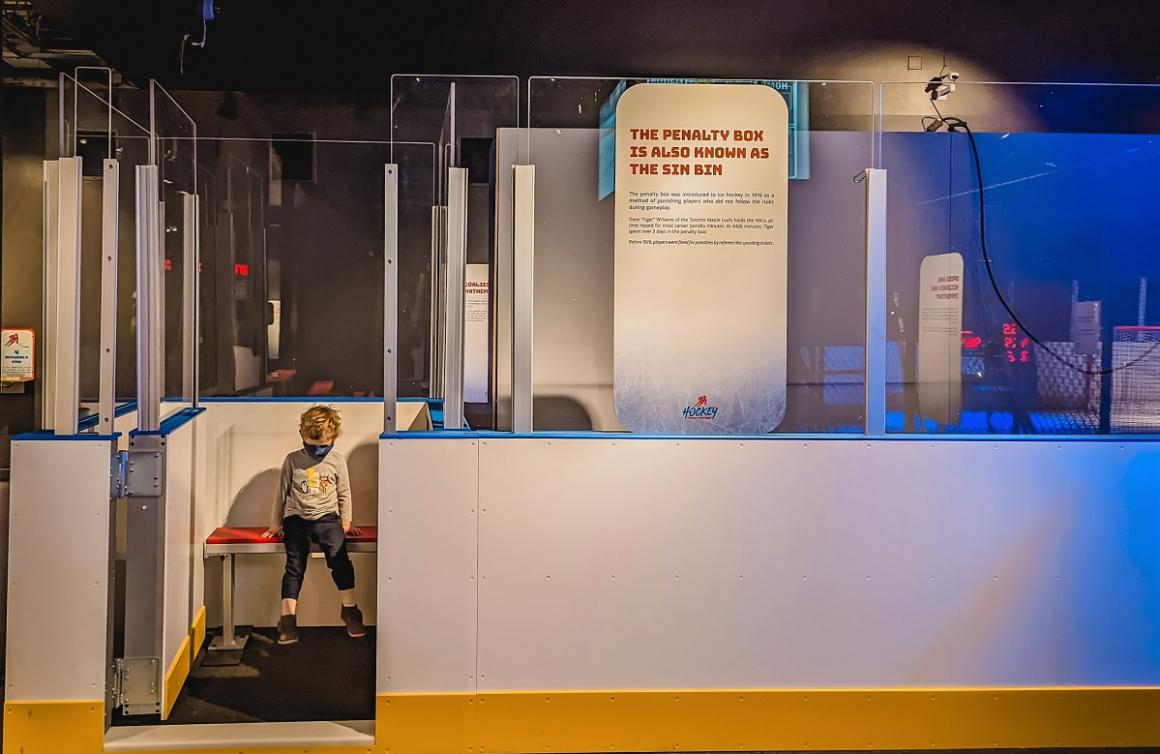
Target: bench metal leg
<point x="227" y="648"/>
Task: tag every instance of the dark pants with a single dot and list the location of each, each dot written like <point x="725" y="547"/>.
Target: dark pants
<point x="327" y="532"/>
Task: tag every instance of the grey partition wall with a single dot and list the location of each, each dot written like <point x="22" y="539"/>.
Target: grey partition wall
<point x="462" y="116"/>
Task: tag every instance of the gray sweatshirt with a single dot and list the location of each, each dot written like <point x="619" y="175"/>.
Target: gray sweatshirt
<point x="311" y="488"/>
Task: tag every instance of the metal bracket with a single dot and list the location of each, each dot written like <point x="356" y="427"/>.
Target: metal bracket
<point x="112" y="686"/>
<point x="137" y="685"/>
<point x="144" y="474"/>
<point x="118" y="468"/>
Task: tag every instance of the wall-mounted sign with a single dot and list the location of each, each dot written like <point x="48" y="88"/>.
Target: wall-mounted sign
<point x="475" y="334"/>
<point x="700" y="271"/>
<point x="940" y="337"/>
<point x="17" y="355"/>
<point x="1085" y="327"/>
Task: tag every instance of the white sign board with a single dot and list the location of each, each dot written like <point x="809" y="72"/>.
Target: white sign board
<point x="475" y="334"/>
<point x="940" y="332"/>
<point x="1085" y="327"/>
<point x="17" y="355"/>
<point x="700" y="272"/>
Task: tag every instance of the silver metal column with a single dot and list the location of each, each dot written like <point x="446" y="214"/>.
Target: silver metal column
<point x="148" y="282"/>
<point x="453" y="294"/>
<point x="144" y="574"/>
<point x="522" y="297"/>
<point x="110" y="226"/>
<point x="438" y="298"/>
<point x="65" y="408"/>
<point x="390" y="296"/>
<point x="158" y="301"/>
<point x="47" y="377"/>
<point x="189" y="298"/>
<point x="875" y="362"/>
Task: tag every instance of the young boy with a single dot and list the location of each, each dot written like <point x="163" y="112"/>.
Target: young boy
<point x="313" y="505"/>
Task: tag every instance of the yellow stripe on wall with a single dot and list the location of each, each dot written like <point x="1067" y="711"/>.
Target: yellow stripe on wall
<point x="54" y="727"/>
<point x="719" y="720"/>
<point x="175" y="678"/>
<point x="197" y="634"/>
<point x="762" y="720"/>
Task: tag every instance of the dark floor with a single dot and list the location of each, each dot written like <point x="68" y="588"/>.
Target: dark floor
<point x="325" y="676"/>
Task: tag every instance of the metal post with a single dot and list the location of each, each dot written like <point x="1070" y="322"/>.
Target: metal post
<point x="875" y="361"/>
<point x="433" y="328"/>
<point x="158" y="330"/>
<point x="51" y="190"/>
<point x="453" y="293"/>
<point x="66" y="319"/>
<point x="197" y="296"/>
<point x="110" y="217"/>
<point x="523" y="285"/>
<point x="390" y="296"/>
<point x="145" y="516"/>
<point x="148" y="391"/>
<point x="230" y="645"/>
<point x="228" y="629"/>
<point x="188" y="297"/>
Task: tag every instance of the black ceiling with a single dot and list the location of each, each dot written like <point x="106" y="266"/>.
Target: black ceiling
<point x="257" y="45"/>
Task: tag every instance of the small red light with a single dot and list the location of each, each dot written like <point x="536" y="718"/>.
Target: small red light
<point x="242" y="270"/>
<point x="168" y="265"/>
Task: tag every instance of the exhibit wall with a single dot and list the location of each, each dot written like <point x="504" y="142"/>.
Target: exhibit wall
<point x="718" y="566"/>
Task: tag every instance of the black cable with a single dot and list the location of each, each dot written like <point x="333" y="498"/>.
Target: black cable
<point x="954" y="124"/>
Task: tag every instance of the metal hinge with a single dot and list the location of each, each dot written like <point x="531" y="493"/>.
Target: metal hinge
<point x="113" y="684"/>
<point x="117" y="471"/>
<point x="137" y="685"/>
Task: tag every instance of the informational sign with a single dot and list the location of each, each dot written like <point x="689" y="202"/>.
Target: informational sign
<point x="797" y="100"/>
<point x="17" y="355"/>
<point x="940" y="333"/>
<point x="1085" y="327"/>
<point x="475" y="334"/>
<point x="699" y="332"/>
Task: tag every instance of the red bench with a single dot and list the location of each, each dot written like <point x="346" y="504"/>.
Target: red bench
<point x="248" y="540"/>
<point x="226" y="542"/>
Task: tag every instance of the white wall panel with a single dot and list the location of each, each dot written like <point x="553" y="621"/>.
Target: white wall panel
<point x="427" y="565"/>
<point x="179" y="538"/>
<point x="58" y="567"/>
<point x="619" y="564"/>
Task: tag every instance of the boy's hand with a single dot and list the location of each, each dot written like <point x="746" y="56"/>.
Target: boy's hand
<point x="351" y="530"/>
<point x="272" y="532"/>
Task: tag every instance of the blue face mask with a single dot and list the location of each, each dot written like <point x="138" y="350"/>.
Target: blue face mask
<point x="316" y="451"/>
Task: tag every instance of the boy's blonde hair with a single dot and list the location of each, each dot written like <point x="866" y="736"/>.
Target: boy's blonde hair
<point x="320" y="422"/>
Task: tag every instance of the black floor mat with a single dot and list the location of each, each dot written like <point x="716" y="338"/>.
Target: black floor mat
<point x="325" y="676"/>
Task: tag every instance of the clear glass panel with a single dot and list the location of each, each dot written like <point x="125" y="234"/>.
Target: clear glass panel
<point x="1059" y="193"/>
<point x="175" y="152"/>
<point x="103" y="126"/>
<point x="571" y="141"/>
<point x="464" y="121"/>
<point x="292" y="270"/>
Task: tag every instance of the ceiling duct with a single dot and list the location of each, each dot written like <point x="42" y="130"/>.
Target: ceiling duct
<point x="35" y="53"/>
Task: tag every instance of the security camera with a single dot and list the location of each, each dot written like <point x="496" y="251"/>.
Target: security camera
<point x="941" y="87"/>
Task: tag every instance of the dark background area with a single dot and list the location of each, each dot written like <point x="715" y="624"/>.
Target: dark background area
<point x="292" y="45"/>
<point x="323" y="69"/>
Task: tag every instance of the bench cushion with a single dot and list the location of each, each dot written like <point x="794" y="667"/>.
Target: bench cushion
<point x="252" y="535"/>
